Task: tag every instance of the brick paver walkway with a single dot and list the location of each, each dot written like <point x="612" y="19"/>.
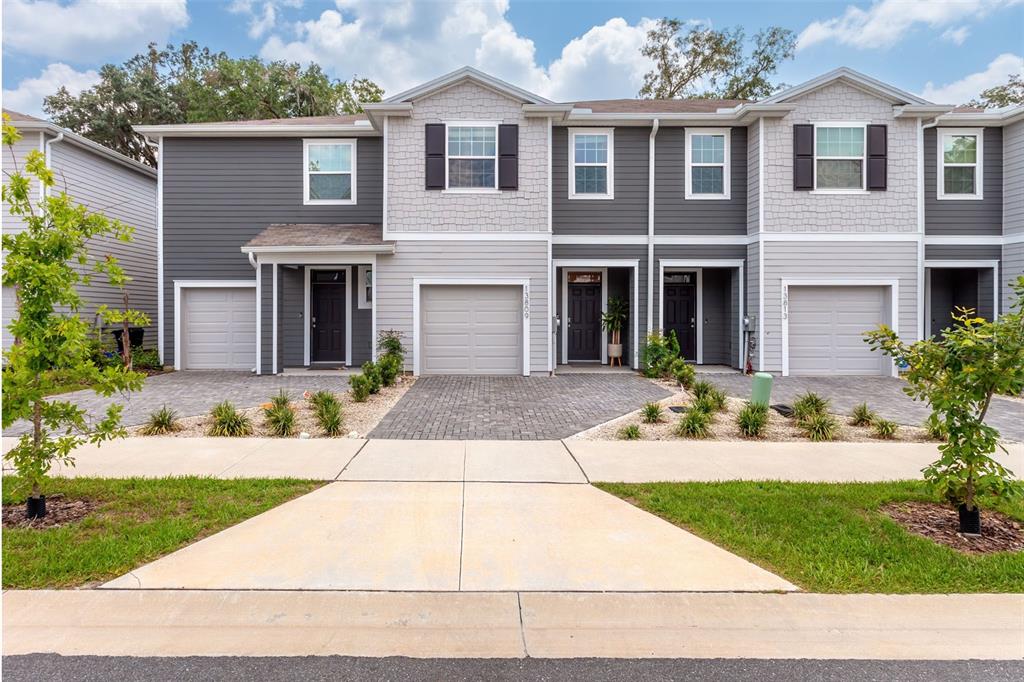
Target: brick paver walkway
<point x="192" y="393"/>
<point x="884" y="395"/>
<point x="513" y="408"/>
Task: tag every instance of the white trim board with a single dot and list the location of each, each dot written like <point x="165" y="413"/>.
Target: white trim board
<point x="180" y="284"/>
<point x="698" y="265"/>
<point x="307" y="290"/>
<point x="971" y="240"/>
<point x="533" y="236"/>
<point x="419" y="282"/>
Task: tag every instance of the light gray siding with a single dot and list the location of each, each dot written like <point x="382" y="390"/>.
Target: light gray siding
<point x="1013" y="179"/>
<point x="14" y="157"/>
<point x="752" y="309"/>
<point x="1012" y="268"/>
<point x="673" y="214"/>
<point x="976" y="217"/>
<point x="627" y="212"/>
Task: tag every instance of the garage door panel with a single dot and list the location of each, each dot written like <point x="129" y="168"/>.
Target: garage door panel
<point x="218" y="328"/>
<point x="470" y="329"/>
<point x="826" y="329"/>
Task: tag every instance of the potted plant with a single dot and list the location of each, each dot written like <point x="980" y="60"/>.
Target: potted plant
<point x="612" y="321"/>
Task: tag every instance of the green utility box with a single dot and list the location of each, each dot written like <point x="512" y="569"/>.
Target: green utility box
<point x="761" y="391"/>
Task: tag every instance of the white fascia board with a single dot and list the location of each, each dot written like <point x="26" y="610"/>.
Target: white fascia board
<point x="994" y="119"/>
<point x="241" y="130"/>
<point x="556" y="112"/>
<point x="921" y="110"/>
<point x="346" y="248"/>
<point x="468" y="73"/>
<point x="86" y="143"/>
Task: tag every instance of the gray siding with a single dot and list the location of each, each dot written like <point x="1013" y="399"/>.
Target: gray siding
<point x="219" y="193"/>
<point x="627" y="212"/>
<point x="978" y="217"/>
<point x="362" y="321"/>
<point x="753" y="286"/>
<point x="291" y="311"/>
<point x="266" y="304"/>
<point x="962" y="252"/>
<point x="1012" y="268"/>
<point x="673" y="214"/>
<point x="753" y="178"/>
<point x="1013" y="178"/>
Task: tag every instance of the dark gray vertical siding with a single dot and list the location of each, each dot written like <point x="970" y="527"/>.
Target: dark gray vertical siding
<point x="620" y="286"/>
<point x="973" y="217"/>
<point x="292" y="310"/>
<point x="986" y="284"/>
<point x="627" y="212"/>
<point x="673" y="214"/>
<point x="963" y="252"/>
<point x="219" y="193"/>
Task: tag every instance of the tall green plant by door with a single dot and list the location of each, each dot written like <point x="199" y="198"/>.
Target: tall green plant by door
<point x="957" y="373"/>
<point x="612" y="321"/>
<point x="44" y="264"/>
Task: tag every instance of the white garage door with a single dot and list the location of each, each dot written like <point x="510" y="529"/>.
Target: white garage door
<point x="218" y="328"/>
<point x="471" y="329"/>
<point x="826" y="329"/>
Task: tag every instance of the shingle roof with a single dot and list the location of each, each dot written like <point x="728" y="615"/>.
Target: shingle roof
<point x="299" y="120"/>
<point x="18" y="116"/>
<point x="318" y="235"/>
<point x="655" y="106"/>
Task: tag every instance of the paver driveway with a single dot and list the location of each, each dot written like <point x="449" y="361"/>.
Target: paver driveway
<point x="513" y="408"/>
<point x="191" y="393"/>
<point x="883" y="394"/>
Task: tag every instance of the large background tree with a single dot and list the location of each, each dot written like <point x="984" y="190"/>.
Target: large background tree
<point x="708" y="63"/>
<point x="1008" y="94"/>
<point x="191" y="84"/>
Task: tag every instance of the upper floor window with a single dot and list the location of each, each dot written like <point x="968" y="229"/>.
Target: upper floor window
<point x="960" y="168"/>
<point x="707" y="163"/>
<point x="472" y="156"/>
<point x="591" y="163"/>
<point x="329" y="171"/>
<point x="839" y="156"/>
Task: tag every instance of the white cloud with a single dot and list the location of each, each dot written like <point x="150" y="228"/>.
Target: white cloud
<point x="28" y="96"/>
<point x="959" y="92"/>
<point x="87" y="30"/>
<point x="957" y="36"/>
<point x="886" y="22"/>
<point x="401" y="44"/>
<point x="263" y="16"/>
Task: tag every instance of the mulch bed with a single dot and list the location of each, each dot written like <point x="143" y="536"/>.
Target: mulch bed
<point x="940" y="523"/>
<point x="59" y="511"/>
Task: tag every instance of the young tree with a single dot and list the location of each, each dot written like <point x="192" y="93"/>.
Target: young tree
<point x="958" y="373"/>
<point x="708" y="63"/>
<point x="1007" y="94"/>
<point x="124" y="316"/>
<point x="42" y="264"/>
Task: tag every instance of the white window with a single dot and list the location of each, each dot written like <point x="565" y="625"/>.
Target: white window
<point x="707" y="163"/>
<point x="329" y="171"/>
<point x="591" y="163"/>
<point x="960" y="163"/>
<point x="839" y="150"/>
<point x="365" y="286"/>
<point x="472" y="156"/>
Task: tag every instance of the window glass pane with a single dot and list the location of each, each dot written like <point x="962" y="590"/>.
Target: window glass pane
<point x="471" y="173"/>
<point x="591" y="180"/>
<point x="471" y="141"/>
<point x="368" y="284"/>
<point x="707" y="180"/>
<point x="330" y="157"/>
<point x="591" y="148"/>
<point x="707" y="148"/>
<point x="840" y="141"/>
<point x="960" y="148"/>
<point x="839" y="174"/>
<point x="958" y="180"/>
<point x="330" y="186"/>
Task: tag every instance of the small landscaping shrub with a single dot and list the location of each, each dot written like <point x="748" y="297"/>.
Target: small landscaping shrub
<point x="820" y="426"/>
<point x="699" y="388"/>
<point x="389" y="342"/>
<point x="162" y="421"/>
<point x="694" y="424"/>
<point x="683" y="372"/>
<point x="708" y="398"/>
<point x="389" y="366"/>
<point x="657" y="354"/>
<point x="630" y="432"/>
<point x="328" y="416"/>
<point x="146" y="358"/>
<point x="229" y="422"/>
<point x="372" y="373"/>
<point x="651" y="413"/>
<point x="360" y="387"/>
<point x="280" y="420"/>
<point x="885" y="429"/>
<point x="935" y="427"/>
<point x="809" y="404"/>
<point x="321" y="398"/>
<point x="282" y="399"/>
<point x="862" y="415"/>
<point x="752" y="420"/>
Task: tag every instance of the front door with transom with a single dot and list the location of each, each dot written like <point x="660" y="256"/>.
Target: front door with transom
<point x="681" y="310"/>
<point x="327" y="321"/>
<point x="584" y="316"/>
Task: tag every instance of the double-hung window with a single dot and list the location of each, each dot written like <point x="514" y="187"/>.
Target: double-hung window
<point x="329" y="171"/>
<point x="591" y="163"/>
<point x="839" y="150"/>
<point x="472" y="156"/>
<point x="960" y="167"/>
<point x="707" y="163"/>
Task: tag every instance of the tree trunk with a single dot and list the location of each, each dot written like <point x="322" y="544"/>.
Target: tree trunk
<point x="37" y="437"/>
<point x="126" y="342"/>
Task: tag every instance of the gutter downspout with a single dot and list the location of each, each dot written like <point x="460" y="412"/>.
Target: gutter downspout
<point x="922" y="314"/>
<point x="655" y="124"/>
<point x="48" y="155"/>
<point x="159" y="145"/>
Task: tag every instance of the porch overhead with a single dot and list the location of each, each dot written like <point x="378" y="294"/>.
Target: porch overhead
<point x="281" y="238"/>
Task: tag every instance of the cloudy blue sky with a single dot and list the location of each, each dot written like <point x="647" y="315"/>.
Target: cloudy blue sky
<point x="945" y="50"/>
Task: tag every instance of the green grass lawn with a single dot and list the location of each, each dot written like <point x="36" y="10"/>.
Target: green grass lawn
<point x="138" y="521"/>
<point x="827" y="537"/>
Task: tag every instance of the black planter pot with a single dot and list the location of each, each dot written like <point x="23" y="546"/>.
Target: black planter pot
<point x="970" y="520"/>
<point x="135" y="337"/>
<point x="35" y="507"/>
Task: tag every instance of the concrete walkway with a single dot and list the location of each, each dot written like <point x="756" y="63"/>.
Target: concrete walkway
<point x="512" y="625"/>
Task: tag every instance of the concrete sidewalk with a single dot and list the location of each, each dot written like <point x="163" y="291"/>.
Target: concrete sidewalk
<point x="511" y="624"/>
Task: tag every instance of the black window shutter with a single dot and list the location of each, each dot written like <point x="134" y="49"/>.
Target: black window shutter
<point x="803" y="156"/>
<point x="508" y="156"/>
<point x="877" y="156"/>
<point x="435" y="134"/>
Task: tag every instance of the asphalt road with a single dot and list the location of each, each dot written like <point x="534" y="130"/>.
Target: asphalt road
<point x="315" y="668"/>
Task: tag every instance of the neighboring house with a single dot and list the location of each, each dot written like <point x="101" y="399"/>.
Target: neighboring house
<point x="492" y="226"/>
<point x="106" y="182"/>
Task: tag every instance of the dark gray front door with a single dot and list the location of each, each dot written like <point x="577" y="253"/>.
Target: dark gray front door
<point x="327" y="323"/>
<point x="584" y="322"/>
<point x="681" y="311"/>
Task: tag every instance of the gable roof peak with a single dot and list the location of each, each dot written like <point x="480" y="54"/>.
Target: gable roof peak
<point x="467" y="73"/>
<point x="850" y="76"/>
